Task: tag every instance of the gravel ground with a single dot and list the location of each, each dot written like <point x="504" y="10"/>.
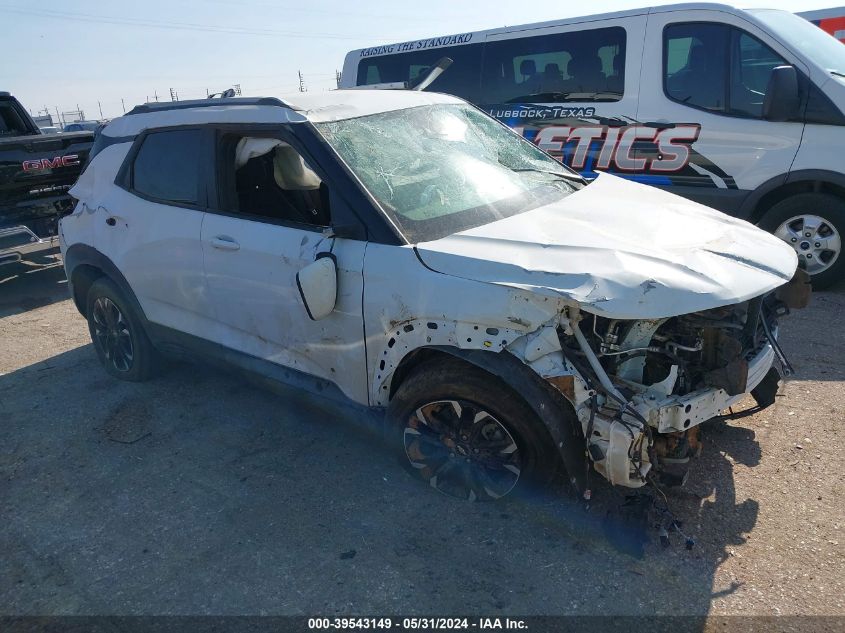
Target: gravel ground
<point x="202" y="493"/>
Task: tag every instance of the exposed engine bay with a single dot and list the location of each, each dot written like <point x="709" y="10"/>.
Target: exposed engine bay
<point x="651" y="383"/>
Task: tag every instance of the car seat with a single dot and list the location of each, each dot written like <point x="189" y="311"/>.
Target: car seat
<point x="585" y="74"/>
<point x="528" y="69"/>
<point x="616" y="81"/>
<point x="261" y="192"/>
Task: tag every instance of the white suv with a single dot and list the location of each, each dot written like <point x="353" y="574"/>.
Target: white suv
<point x="407" y="251"/>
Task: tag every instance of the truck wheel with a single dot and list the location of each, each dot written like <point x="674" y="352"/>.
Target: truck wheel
<point x="119" y="339"/>
<point x="814" y="225"/>
<point x="467" y="434"/>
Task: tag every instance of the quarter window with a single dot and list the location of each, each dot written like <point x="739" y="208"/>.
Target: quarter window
<point x="563" y="67"/>
<point x="166" y="167"/>
<point x="717" y="68"/>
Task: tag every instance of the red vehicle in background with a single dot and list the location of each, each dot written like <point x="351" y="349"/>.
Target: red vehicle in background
<point x="830" y="20"/>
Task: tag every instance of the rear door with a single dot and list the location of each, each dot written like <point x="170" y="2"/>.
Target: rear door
<point x="149" y="226"/>
<point x="704" y="82"/>
<point x="571" y="89"/>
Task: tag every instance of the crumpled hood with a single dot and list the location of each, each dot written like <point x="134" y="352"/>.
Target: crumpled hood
<point x="622" y="250"/>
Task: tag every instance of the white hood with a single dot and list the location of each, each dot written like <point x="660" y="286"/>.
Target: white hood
<point x="622" y="250"/>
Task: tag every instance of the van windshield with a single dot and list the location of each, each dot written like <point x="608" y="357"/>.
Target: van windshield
<point x="803" y="36"/>
<point x="440" y="169"/>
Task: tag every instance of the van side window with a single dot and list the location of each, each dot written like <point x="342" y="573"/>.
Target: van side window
<point x="266" y="178"/>
<point x="752" y="63"/>
<point x="461" y="79"/>
<point x="563" y="67"/>
<point x="166" y="169"/>
<point x="717" y="68"/>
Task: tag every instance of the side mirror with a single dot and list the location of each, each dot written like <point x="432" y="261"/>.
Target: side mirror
<point x="317" y="284"/>
<point x="782" y="100"/>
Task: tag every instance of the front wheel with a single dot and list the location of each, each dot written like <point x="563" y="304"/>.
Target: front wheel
<point x="466" y="434"/>
<point x="813" y="224"/>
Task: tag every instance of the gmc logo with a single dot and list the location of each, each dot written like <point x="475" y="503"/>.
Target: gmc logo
<point x="51" y="163"/>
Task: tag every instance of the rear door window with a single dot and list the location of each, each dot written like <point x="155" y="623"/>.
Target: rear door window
<point x="561" y="67"/>
<point x="167" y="167"/>
<point x="11" y="122"/>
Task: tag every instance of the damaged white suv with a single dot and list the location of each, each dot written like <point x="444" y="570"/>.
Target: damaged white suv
<point x="407" y="251"/>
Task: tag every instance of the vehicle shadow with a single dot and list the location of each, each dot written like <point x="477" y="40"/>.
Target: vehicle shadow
<point x="28" y="285"/>
<point x="200" y="493"/>
<point x="809" y="341"/>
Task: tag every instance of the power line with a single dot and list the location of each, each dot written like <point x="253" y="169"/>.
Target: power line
<point x="180" y="26"/>
<point x="435" y="19"/>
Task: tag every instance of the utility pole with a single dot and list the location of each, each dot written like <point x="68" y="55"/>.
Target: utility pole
<point x="123" y="105"/>
<point x="155" y="95"/>
<point x="59" y="117"/>
<point x="337" y="76"/>
<point x="99" y="105"/>
<point x="301" y="82"/>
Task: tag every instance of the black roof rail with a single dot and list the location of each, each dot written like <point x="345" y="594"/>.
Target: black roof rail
<point x="205" y="103"/>
<point x="4" y="94"/>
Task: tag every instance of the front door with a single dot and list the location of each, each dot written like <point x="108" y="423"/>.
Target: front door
<point x="705" y="84"/>
<point x="274" y="210"/>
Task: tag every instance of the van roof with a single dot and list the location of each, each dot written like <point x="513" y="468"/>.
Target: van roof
<point x="477" y="35"/>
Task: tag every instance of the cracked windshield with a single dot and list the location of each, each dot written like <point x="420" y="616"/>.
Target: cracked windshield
<point x="437" y="170"/>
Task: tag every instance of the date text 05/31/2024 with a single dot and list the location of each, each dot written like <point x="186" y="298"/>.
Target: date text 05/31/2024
<point x="413" y="624"/>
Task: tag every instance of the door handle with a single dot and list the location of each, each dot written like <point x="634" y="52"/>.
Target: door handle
<point x="224" y="243"/>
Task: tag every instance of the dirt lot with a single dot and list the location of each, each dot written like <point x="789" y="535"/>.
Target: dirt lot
<point x="200" y="492"/>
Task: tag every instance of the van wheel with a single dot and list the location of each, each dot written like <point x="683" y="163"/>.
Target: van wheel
<point x="119" y="339"/>
<point x="814" y="225"/>
<point x="466" y="434"/>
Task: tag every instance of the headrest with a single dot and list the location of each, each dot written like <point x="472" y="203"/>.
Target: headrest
<point x="291" y="172"/>
<point x="618" y="63"/>
<point x="250" y="147"/>
<point x="527" y="67"/>
<point x="584" y="66"/>
<point x="697" y="58"/>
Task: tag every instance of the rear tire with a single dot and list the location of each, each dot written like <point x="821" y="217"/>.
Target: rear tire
<point x="814" y="225"/>
<point x="118" y="334"/>
<point x="467" y="434"/>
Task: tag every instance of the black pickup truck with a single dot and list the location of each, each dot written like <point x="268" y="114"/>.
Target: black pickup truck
<point x="36" y="171"/>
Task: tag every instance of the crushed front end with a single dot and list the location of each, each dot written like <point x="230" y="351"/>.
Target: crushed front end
<point x="649" y="384"/>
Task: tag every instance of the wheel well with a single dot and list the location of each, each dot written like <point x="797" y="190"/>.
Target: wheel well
<point x="790" y="189"/>
<point x="414" y="360"/>
<point x="554" y="411"/>
<point x="82" y="278"/>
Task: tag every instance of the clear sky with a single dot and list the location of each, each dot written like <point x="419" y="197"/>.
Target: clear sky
<point x="84" y="51"/>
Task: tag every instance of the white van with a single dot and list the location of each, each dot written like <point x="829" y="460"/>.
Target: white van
<point x="741" y="110"/>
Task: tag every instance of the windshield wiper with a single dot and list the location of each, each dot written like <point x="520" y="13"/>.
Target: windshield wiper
<point x="838" y="73"/>
<point x="607" y="95"/>
<point x="564" y="175"/>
